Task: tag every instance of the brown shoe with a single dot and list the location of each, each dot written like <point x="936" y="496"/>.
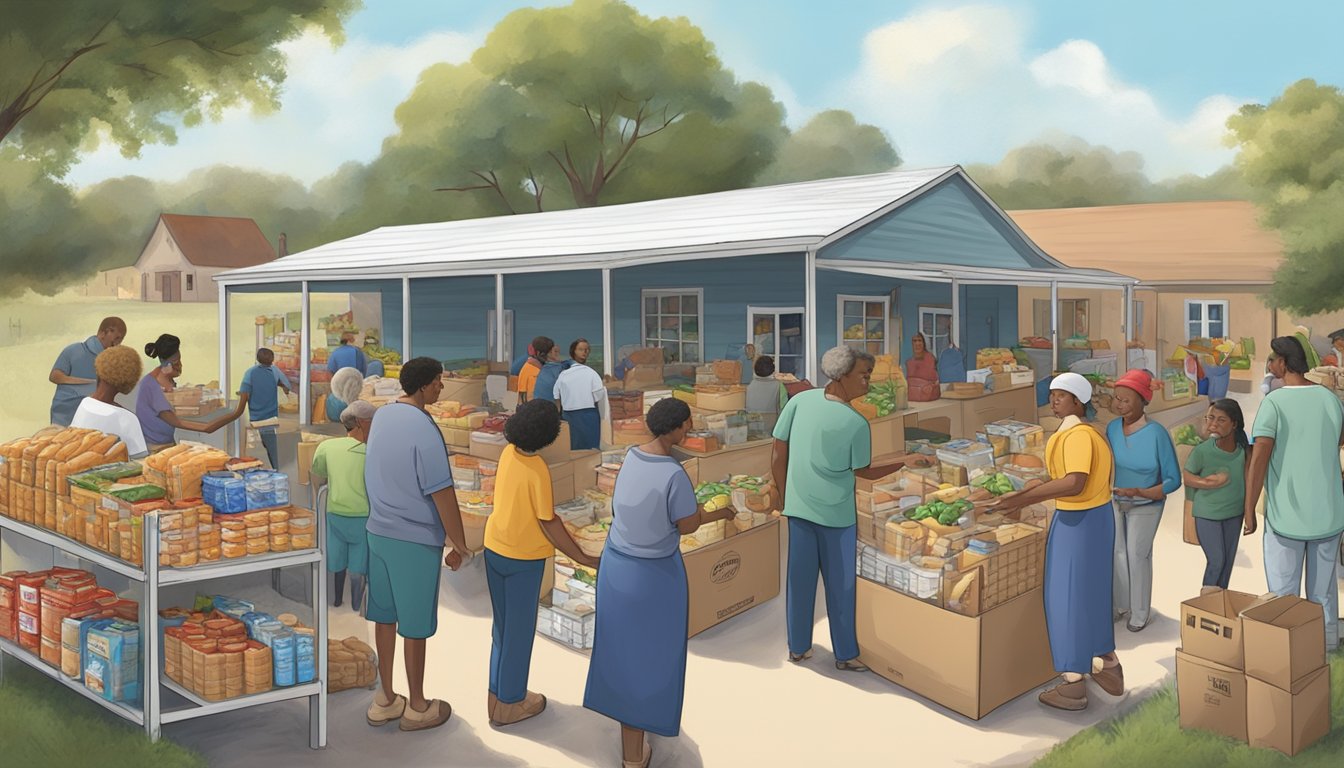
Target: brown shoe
<point x="648" y="756"/>
<point x="435" y="715"/>
<point x="491" y="701"/>
<point x="1067" y="696"/>
<point x="507" y="714"/>
<point x="1111" y="679"/>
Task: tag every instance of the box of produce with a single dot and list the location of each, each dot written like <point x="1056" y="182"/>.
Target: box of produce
<point x="958" y="457"/>
<point x="886" y="398"/>
<point x="1021" y="436"/>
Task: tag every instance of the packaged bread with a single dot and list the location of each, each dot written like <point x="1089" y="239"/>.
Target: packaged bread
<point x="279" y="515"/>
<point x="258" y="546"/>
<point x="230" y="550"/>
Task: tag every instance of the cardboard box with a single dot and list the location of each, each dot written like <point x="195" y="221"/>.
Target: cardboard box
<point x="562" y="482"/>
<point x="307" y="449"/>
<point x="971" y="665"/>
<point x="1001" y="381"/>
<point x="557" y="451"/>
<point x="692" y="467"/>
<point x="1212" y="696"/>
<point x="466" y="391"/>
<point x="1211" y="627"/>
<point x="1284" y="640"/>
<point x="744" y="459"/>
<point x="888" y="435"/>
<point x="456" y="437"/>
<point x="733" y="575"/>
<point x="1288" y="720"/>
<point x="487" y="451"/>
<point x="585" y="470"/>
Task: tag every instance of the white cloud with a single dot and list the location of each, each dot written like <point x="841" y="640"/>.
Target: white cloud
<point x="337" y="105"/>
<point x="958" y="85"/>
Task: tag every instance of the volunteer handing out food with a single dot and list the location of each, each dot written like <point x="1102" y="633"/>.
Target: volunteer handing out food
<point x="1078" y="571"/>
<point x="157" y="417"/>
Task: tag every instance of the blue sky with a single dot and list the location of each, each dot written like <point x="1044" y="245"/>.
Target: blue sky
<point x="950" y="82"/>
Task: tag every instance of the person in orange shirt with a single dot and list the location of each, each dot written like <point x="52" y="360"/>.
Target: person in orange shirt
<point x="521" y="533"/>
<point x="542" y="347"/>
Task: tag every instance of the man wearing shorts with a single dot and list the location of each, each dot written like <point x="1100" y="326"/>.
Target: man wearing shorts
<point x="340" y="464"/>
<point x="412" y="509"/>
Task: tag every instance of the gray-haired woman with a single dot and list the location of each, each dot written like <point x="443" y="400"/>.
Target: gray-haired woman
<point x="830" y="440"/>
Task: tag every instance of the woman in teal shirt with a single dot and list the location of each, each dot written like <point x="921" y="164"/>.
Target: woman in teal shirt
<point x="1146" y="470"/>
<point x="1215" y="479"/>
<point x="819" y="441"/>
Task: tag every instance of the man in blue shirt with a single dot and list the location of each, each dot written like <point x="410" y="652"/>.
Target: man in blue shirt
<point x="549" y="374"/>
<point x="257" y="394"/>
<point x="73" y="372"/>
<point x="347" y="356"/>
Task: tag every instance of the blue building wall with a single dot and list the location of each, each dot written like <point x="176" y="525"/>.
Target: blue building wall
<point x="950" y="224"/>
<point x="730" y="286"/>
<point x="448" y="316"/>
<point x="563" y="306"/>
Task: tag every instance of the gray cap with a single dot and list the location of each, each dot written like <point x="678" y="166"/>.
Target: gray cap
<point x="360" y="409"/>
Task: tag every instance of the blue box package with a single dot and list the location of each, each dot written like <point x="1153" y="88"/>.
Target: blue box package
<point x="225" y="492"/>
<point x="112" y="666"/>
<point x="305" y="655"/>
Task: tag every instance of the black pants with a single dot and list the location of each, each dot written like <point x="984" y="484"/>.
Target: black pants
<point x="1218" y="539"/>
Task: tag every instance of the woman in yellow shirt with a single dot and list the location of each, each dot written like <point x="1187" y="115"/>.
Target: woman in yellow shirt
<point x="1078" y="572"/>
<point x="521" y="533"/>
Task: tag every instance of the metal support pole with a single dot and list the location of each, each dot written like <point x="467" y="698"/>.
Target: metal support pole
<point x="1054" y="327"/>
<point x="810" y="312"/>
<point x="305" y="354"/>
<point x="608" y="333"/>
<point x="149" y="614"/>
<point x="317" y="703"/>
<point x="235" y="429"/>
<point x="1122" y="364"/>
<point x="499" y="319"/>
<point x="405" y="318"/>
<point x="956" y="313"/>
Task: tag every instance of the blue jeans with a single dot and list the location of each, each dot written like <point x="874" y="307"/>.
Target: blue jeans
<point x="1218" y="539"/>
<point x="831" y="551"/>
<point x="1284" y="561"/>
<point x="514" y="586"/>
<point x="271" y="443"/>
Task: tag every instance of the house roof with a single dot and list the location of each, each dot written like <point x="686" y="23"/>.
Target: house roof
<point x="787" y="218"/>
<point x="219" y="241"/>
<point x="1163" y="243"/>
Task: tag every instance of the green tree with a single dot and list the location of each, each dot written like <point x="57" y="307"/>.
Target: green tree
<point x="47" y="243"/>
<point x="76" y="70"/>
<point x="1291" y="154"/>
<point x="831" y="144"/>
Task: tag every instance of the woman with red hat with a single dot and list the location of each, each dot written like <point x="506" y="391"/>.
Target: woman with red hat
<point x="1146" y="470"/>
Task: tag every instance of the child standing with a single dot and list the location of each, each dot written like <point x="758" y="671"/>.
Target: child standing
<point x="258" y="394"/>
<point x="521" y="533"/>
<point x="1215" y="477"/>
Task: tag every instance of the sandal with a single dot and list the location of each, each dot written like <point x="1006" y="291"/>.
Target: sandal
<point x="852" y="665"/>
<point x="437" y="714"/>
<point x="382" y="714"/>
<point x="800" y="657"/>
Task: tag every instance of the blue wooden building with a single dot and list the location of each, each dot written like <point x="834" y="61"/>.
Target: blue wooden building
<point x="794" y="269"/>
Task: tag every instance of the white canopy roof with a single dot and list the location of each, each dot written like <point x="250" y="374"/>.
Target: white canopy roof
<point x="788" y="218"/>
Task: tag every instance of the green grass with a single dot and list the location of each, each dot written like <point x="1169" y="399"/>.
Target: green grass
<point x="42" y="723"/>
<point x="1151" y="736"/>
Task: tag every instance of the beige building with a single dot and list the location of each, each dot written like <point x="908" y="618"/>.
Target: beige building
<point x="184" y="253"/>
<point x="1202" y="268"/>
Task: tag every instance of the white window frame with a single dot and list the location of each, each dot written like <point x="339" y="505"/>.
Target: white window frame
<point x="775" y="312"/>
<point x="840" y="339"/>
<point x="930" y="339"/>
<point x="659" y="294"/>
<point x="1204" y="322"/>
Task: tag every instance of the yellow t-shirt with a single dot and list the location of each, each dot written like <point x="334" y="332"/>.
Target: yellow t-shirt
<point x="527" y="379"/>
<point x="522" y="500"/>
<point x="1081" y="449"/>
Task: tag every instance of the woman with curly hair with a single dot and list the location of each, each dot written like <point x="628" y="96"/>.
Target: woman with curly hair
<point x="118" y="369"/>
<point x="521" y="533"/>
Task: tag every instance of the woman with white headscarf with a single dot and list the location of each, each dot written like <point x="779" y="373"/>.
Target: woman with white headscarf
<point x="1078" y="552"/>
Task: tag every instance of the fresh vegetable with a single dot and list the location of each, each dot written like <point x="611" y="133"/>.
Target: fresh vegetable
<point x="884" y="395"/>
<point x="1186" y="435"/>
<point x="997" y="483"/>
<point x="943" y="512"/>
<point x="137" y="493"/>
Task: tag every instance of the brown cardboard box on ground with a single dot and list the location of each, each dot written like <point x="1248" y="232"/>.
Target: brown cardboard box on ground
<point x="1211" y="627"/>
<point x="732" y="576"/>
<point x="1212" y="696"/>
<point x="1288" y="720"/>
<point x="1284" y="639"/>
<point x="971" y="665"/>
<point x="562" y="482"/>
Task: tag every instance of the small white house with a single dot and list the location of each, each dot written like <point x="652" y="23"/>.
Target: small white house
<point x="184" y="253"/>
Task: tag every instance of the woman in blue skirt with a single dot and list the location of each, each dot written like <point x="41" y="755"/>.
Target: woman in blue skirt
<point x="638" y="670"/>
<point x="583" y="399"/>
<point x="1078" y="569"/>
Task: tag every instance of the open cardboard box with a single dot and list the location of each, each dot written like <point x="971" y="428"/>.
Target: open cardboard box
<point x="731" y="576"/>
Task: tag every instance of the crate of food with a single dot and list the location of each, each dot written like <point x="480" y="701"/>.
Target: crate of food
<point x="1019" y="437"/>
<point x="958" y="457"/>
<point x="571" y="623"/>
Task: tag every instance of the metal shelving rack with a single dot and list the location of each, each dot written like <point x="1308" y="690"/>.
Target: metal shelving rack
<point x="151" y="715"/>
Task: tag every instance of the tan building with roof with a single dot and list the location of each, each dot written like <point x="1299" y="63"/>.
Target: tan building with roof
<point x="1201" y="267"/>
<point x="184" y="253"/>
